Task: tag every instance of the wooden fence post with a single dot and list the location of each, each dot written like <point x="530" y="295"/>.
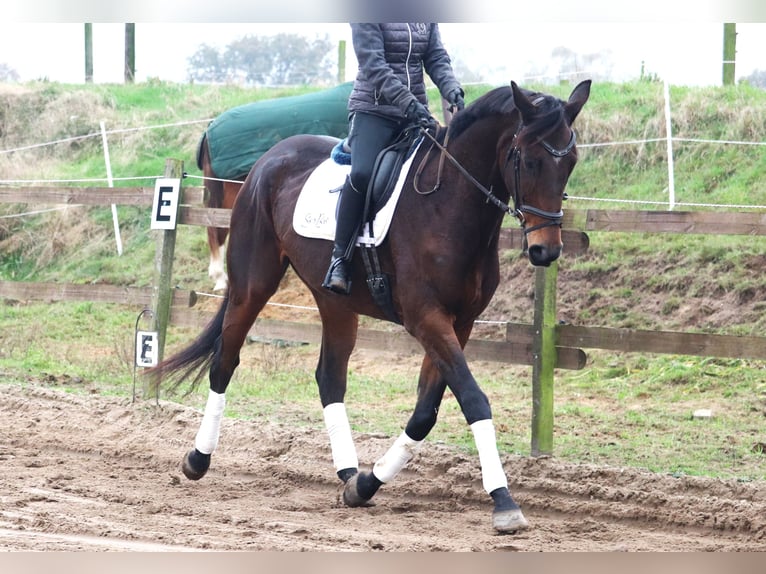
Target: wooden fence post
<point x="729" y="53"/>
<point x="341" y="61"/>
<point x="162" y="289"/>
<point x="544" y="359"/>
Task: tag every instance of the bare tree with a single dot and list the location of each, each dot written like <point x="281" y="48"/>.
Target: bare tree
<point x="284" y="59"/>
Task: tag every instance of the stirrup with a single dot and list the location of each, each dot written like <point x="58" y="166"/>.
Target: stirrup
<point x="338" y="278"/>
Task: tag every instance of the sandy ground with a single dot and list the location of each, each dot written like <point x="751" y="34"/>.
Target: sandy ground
<point x="97" y="473"/>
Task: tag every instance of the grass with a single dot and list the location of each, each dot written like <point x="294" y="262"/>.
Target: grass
<point x="622" y="409"/>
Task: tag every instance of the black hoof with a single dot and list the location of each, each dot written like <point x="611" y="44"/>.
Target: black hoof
<point x="351" y="496"/>
<point x="195" y="464"/>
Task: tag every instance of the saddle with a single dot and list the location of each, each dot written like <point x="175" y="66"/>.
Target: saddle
<point x="385" y="171"/>
<point x="385" y="174"/>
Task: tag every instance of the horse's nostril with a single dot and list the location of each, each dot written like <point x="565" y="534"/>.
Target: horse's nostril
<point x="541" y="256"/>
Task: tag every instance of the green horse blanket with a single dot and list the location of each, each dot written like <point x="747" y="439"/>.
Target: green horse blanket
<point x="241" y="135"/>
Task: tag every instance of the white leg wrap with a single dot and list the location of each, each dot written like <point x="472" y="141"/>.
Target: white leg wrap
<point x="492" y="473"/>
<point x="207" y="435"/>
<point x="400" y="453"/>
<point x="217" y="271"/>
<point x="341" y="442"/>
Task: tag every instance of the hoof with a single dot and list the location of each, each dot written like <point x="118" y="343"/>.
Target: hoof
<point x="351" y="496"/>
<point x="195" y="464"/>
<point x="509" y="521"/>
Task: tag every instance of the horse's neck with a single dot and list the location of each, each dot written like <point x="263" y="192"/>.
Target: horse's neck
<point x="481" y="150"/>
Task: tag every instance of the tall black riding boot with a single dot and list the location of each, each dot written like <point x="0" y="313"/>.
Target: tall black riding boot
<point x="350" y="206"/>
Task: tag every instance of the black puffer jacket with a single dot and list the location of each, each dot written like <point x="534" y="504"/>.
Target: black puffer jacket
<point x="392" y="58"/>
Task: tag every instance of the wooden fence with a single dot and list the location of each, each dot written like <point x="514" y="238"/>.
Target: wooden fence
<point x="545" y="344"/>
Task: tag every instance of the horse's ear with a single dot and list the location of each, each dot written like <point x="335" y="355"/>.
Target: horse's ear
<point x="577" y="100"/>
<point x="521" y="101"/>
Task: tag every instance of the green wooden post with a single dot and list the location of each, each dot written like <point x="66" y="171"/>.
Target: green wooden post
<point x="341" y="61"/>
<point x="729" y="53"/>
<point x="544" y="359"/>
<point x="162" y="291"/>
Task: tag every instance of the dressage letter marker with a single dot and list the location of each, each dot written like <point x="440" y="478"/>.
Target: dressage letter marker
<point x="165" y="205"/>
<point x="146" y="348"/>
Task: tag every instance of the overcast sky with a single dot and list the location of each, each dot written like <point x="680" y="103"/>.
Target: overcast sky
<point x="684" y="53"/>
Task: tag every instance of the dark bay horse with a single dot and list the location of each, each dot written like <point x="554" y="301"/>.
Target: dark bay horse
<point x="510" y="151"/>
<point x="239" y="136"/>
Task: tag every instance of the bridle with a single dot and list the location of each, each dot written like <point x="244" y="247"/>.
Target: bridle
<point x="519" y="207"/>
<point x="514" y="154"/>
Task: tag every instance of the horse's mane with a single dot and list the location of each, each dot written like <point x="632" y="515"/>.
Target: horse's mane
<point x="549" y="112"/>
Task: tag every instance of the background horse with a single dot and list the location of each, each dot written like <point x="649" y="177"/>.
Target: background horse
<point x="441" y="255"/>
<point x="238" y="137"/>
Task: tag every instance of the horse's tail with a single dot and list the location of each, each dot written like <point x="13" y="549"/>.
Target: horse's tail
<point x="195" y="359"/>
<point x="200" y="147"/>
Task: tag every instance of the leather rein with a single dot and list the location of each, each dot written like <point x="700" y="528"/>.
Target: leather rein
<point x="514" y="154"/>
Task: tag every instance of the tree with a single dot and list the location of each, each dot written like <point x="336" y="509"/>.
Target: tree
<point x="248" y="60"/>
<point x="296" y="60"/>
<point x="284" y="59"/>
<point x="8" y="74"/>
<point x="206" y="65"/>
<point x="757" y="79"/>
<point x="574" y="67"/>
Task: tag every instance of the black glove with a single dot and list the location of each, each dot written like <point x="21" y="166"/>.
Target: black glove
<point x="418" y="114"/>
<point x="455" y="99"/>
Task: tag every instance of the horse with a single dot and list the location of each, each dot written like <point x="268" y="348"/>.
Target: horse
<point x="441" y="254"/>
<point x="239" y="136"/>
<point x="219" y="193"/>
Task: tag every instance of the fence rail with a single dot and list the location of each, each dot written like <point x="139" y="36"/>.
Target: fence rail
<point x="545" y="344"/>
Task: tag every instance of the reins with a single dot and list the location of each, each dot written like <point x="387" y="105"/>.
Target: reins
<point x="514" y="153"/>
<point x="444" y="153"/>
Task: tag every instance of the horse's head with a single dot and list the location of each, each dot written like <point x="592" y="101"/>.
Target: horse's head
<point x="538" y="164"/>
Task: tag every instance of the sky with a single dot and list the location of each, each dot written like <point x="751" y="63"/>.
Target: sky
<point x="689" y="53"/>
<point x="677" y="40"/>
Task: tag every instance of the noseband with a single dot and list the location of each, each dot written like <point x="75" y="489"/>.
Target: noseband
<point x="514" y="153"/>
<point x="519" y="207"/>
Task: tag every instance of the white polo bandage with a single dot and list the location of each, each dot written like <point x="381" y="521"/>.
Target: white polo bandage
<point x="209" y="430"/>
<point x="341" y="442"/>
<point x="492" y="473"/>
<point x="400" y="453"/>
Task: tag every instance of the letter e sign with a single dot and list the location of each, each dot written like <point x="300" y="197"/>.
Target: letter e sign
<point x="165" y="205"/>
<point x="146" y="349"/>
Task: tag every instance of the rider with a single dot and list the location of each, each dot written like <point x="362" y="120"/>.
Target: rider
<point x="389" y="94"/>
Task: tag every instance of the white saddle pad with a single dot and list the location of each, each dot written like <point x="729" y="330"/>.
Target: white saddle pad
<point x="315" y="210"/>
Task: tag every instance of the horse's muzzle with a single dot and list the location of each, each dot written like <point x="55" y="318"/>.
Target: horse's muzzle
<point x="542" y="256"/>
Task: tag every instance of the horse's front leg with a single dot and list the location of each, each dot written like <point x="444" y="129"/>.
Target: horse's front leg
<point x="506" y="515"/>
<point x="339" y="328"/>
<point x="445" y="346"/>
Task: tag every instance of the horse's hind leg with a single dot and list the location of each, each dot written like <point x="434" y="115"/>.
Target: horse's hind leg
<point x="246" y="298"/>
<point x="216" y="238"/>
